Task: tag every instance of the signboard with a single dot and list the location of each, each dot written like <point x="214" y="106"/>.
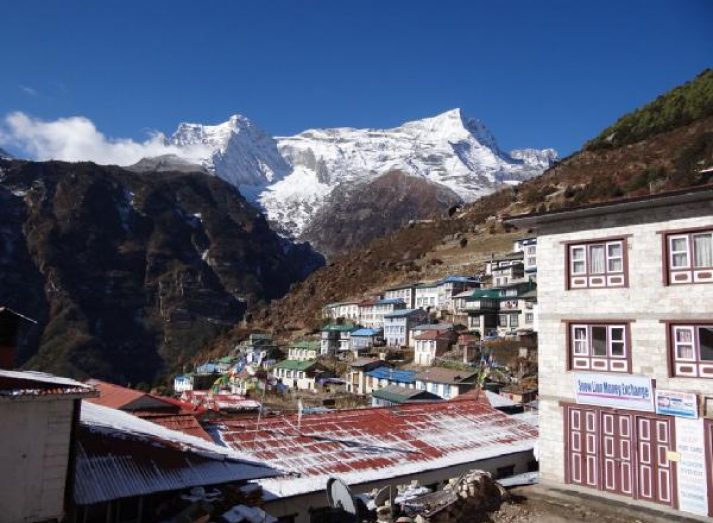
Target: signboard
<point x="692" y="472"/>
<point x="680" y="404"/>
<point x="612" y="390"/>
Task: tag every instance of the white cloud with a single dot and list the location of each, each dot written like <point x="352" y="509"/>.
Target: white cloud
<point x="28" y="90"/>
<point x="77" y="139"/>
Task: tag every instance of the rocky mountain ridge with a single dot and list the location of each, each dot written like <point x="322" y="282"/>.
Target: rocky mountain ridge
<point x="291" y="177"/>
<point x="129" y="274"/>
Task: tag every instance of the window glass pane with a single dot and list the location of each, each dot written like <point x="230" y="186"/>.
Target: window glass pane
<point x="684" y="352"/>
<point x="705" y="343"/>
<point x="596" y="259"/>
<point x="577" y="253"/>
<point x="599" y="341"/>
<point x="703" y="255"/>
<point x="614" y="250"/>
<point x="679" y="252"/>
<point x="617" y="349"/>
<point x="617" y="333"/>
<point x="684" y="334"/>
<point x="578" y="267"/>
<point x="616" y="265"/>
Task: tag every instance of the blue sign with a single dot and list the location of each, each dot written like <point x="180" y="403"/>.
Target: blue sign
<point x="680" y="404"/>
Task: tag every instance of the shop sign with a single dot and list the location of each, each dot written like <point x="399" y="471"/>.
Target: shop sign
<point x="692" y="471"/>
<point x="680" y="404"/>
<point x="611" y="390"/>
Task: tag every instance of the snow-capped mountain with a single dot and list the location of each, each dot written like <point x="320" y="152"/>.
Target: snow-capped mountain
<point x="290" y="176"/>
<point x="4" y="155"/>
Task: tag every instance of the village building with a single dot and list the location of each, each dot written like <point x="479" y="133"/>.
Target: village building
<point x="336" y="338"/>
<point x="505" y="260"/>
<point x="506" y="274"/>
<point x="167" y="412"/>
<point x="417" y="330"/>
<point x="518" y="394"/>
<point x="446" y="383"/>
<point x="406" y="293"/>
<point x="183" y="382"/>
<point x="363" y="340"/>
<point x="304" y="350"/>
<point x="427" y="296"/>
<point x="625" y="301"/>
<point x="347" y="310"/>
<point x="367" y="448"/>
<point x="451" y="286"/>
<point x="357" y="380"/>
<point x="39" y="414"/>
<point x="398" y="325"/>
<point x="382" y="377"/>
<point x="129" y="469"/>
<point x="432" y="344"/>
<point x="528" y="246"/>
<point x="482" y="307"/>
<point x="395" y="395"/>
<point x="300" y="375"/>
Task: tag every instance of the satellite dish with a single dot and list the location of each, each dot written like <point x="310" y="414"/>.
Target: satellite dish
<point x="340" y="498"/>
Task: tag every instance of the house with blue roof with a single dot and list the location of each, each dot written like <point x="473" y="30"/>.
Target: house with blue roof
<point x="383" y="377"/>
<point x="364" y="339"/>
<point x="398" y="325"/>
<point x="371" y="313"/>
<point x="406" y="292"/>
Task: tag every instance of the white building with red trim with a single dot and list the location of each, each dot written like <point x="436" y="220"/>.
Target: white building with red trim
<point x="625" y="297"/>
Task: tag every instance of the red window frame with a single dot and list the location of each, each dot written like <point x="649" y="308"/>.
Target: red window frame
<point x="600" y="280"/>
<point x="580" y="349"/>
<point x="688" y="273"/>
<point x="693" y="367"/>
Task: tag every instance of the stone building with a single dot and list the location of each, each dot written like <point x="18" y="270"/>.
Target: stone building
<point x="625" y="296"/>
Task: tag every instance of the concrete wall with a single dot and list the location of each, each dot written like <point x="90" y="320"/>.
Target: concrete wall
<point x="34" y="455"/>
<point x="301" y="505"/>
<point x="646" y="303"/>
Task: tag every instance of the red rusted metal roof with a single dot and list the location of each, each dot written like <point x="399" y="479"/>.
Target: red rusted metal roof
<point x="186" y="423"/>
<point x="28" y="384"/>
<point x="361" y="445"/>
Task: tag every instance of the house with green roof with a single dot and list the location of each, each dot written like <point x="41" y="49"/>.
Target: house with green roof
<point x="304" y="350"/>
<point x="397" y="395"/>
<point x="299" y="375"/>
<point x="336" y="337"/>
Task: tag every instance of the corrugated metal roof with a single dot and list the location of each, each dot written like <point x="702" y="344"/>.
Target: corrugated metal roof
<point x="387" y="373"/>
<point x="362" y="445"/>
<point x="398" y="394"/>
<point x="402" y="312"/>
<point x="367" y="332"/>
<point x="120" y="455"/>
<point x="30" y="384"/>
<point x="443" y="375"/>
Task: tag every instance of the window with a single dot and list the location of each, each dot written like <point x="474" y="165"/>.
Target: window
<point x="689" y="257"/>
<point x="502" y="320"/>
<point x="514" y="320"/>
<point x="597" y="264"/>
<point x="529" y="317"/>
<point x="599" y="347"/>
<point x="531" y="250"/>
<point x="691" y="348"/>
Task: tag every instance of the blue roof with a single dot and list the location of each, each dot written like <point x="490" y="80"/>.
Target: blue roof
<point x="387" y="373"/>
<point x="386" y="301"/>
<point x="366" y="332"/>
<point x="400" y="313"/>
<point x="459" y="279"/>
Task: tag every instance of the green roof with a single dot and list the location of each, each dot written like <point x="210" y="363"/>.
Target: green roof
<point x="398" y="394"/>
<point x="345" y="327"/>
<point x="307" y="344"/>
<point x="484" y="293"/>
<point x="296" y="365"/>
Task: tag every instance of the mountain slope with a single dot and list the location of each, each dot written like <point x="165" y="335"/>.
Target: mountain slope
<point x="354" y="216"/>
<point x="291" y="177"/>
<point x="677" y="158"/>
<point x="130" y="274"/>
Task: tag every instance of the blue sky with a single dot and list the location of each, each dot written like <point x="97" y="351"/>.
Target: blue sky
<point x="542" y="74"/>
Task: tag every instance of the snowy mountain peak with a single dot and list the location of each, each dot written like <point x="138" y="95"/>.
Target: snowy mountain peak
<point x="290" y="176"/>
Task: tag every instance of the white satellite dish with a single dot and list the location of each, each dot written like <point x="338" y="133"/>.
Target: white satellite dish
<point x="340" y="497"/>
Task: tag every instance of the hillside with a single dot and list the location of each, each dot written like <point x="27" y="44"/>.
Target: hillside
<point x="664" y="160"/>
<point x="355" y="216"/>
<point x="130" y="274"/>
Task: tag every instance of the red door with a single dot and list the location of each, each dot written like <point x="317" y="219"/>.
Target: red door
<point x="582" y="447"/>
<point x="617" y="469"/>
<point x="654" y="470"/>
